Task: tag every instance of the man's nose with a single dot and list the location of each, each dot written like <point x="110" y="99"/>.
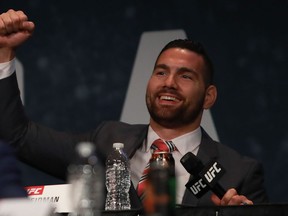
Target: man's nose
<point x="171" y="81"/>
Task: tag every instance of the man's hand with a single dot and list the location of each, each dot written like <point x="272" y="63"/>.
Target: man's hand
<point x="14" y="30"/>
<point x="231" y="197"/>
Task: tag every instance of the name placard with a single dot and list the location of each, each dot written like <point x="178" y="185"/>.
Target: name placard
<point x="24" y="207"/>
<point x="59" y="196"/>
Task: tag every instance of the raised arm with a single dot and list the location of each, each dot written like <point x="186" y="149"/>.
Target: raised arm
<point x="15" y="29"/>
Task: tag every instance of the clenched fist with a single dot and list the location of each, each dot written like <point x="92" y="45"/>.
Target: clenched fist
<point x="14" y="30"/>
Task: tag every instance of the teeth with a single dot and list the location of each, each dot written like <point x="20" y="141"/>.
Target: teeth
<point x="168" y="98"/>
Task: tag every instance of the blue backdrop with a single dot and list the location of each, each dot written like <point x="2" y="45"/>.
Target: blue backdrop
<point x="78" y="64"/>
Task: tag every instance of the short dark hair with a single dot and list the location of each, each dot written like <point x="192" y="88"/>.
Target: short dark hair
<point x="196" y="47"/>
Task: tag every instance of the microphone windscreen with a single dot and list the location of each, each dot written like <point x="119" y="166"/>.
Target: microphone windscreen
<point x="191" y="163"/>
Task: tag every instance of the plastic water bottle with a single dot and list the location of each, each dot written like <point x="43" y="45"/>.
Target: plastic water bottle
<point x="117" y="179"/>
<point x="86" y="176"/>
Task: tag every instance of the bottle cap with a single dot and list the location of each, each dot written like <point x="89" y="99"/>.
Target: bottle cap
<point x="118" y="145"/>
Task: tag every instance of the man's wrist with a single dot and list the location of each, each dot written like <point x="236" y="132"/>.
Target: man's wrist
<point x="6" y="54"/>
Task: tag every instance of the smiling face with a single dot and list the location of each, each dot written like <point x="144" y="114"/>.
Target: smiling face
<point x="176" y="93"/>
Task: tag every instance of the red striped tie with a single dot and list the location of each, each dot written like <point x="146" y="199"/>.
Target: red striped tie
<point x="157" y="146"/>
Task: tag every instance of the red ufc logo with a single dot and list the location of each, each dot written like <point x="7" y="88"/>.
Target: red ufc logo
<point x="34" y="190"/>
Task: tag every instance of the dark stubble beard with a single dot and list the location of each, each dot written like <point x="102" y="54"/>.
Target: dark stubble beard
<point x="172" y="118"/>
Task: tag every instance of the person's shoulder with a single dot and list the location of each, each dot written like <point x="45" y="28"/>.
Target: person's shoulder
<point x="110" y="129"/>
<point x="232" y="157"/>
<point x="226" y="152"/>
<point x="109" y="132"/>
<point x="124" y="125"/>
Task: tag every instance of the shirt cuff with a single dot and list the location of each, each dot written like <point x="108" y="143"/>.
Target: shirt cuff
<point x="7" y="69"/>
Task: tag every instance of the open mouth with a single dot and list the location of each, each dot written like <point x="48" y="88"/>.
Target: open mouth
<point x="168" y="98"/>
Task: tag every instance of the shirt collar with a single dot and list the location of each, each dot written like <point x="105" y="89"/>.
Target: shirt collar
<point x="184" y="143"/>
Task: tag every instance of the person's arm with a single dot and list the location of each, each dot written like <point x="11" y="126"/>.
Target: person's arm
<point x="15" y="29"/>
<point x="41" y="147"/>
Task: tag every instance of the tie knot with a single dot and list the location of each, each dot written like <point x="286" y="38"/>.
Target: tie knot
<point x="161" y="145"/>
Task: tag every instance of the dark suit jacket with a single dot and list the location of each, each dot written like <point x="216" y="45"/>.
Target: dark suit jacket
<point x="52" y="151"/>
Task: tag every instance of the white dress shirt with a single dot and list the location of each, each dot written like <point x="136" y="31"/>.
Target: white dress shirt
<point x="185" y="143"/>
<point x="7" y="68"/>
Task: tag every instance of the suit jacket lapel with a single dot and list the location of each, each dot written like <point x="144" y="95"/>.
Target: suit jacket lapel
<point x="207" y="150"/>
<point x="135" y="141"/>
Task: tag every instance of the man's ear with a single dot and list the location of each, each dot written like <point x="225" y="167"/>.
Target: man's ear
<point x="211" y="96"/>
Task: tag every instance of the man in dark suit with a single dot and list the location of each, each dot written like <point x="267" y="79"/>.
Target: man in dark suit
<point x="10" y="178"/>
<point x="180" y="88"/>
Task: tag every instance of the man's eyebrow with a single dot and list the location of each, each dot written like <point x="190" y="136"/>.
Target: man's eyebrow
<point x="185" y="69"/>
<point x="163" y="66"/>
<point x="181" y="69"/>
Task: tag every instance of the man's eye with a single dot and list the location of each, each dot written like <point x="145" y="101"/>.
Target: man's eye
<point x="160" y="73"/>
<point x="185" y="76"/>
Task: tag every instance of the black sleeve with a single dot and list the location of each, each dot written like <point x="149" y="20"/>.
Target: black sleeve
<point x="39" y="146"/>
<point x="13" y="121"/>
<point x="253" y="186"/>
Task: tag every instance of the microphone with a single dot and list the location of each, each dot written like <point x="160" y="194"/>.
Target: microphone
<point x="204" y="178"/>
